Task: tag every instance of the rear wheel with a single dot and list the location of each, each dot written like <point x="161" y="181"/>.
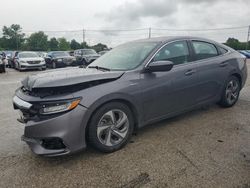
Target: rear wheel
<point x="110" y="127"/>
<point x="231" y="92"/>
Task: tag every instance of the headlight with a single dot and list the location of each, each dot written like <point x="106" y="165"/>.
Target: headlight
<point x="22" y="61"/>
<point x="60" y="106"/>
<point x="59" y="60"/>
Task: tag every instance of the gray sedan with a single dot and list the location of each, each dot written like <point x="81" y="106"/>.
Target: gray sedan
<point x="133" y="85"/>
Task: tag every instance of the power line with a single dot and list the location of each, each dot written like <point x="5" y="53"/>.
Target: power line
<point x="210" y="29"/>
<point x="137" y="29"/>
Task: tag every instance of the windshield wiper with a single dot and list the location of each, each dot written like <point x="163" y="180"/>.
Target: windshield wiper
<point x="99" y="68"/>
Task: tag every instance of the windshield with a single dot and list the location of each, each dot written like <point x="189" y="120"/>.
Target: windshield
<point x="27" y="55"/>
<point x="88" y="52"/>
<point x="125" y="57"/>
<point x="60" y="54"/>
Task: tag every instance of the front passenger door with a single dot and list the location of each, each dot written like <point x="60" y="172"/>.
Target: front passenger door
<point x="173" y="91"/>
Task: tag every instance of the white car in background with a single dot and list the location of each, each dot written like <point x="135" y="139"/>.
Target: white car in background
<point x="29" y="60"/>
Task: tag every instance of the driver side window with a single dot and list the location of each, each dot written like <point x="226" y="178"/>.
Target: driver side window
<point x="177" y="52"/>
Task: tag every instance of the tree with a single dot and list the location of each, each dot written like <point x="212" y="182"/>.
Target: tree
<point x="53" y="44"/>
<point x="74" y="45"/>
<point x="12" y="37"/>
<point x="84" y="45"/>
<point x="38" y="41"/>
<point x="235" y="44"/>
<point x="63" y="44"/>
<point x="99" y="47"/>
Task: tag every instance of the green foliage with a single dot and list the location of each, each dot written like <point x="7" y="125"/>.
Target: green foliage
<point x="99" y="47"/>
<point x="38" y="41"/>
<point x="53" y="44"/>
<point x="12" y="37"/>
<point x="64" y="45"/>
<point x="236" y="44"/>
<point x="74" y="45"/>
<point x="84" y="45"/>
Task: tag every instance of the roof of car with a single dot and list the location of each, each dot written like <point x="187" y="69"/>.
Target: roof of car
<point x="171" y="38"/>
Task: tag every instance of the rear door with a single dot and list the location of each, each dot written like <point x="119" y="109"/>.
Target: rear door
<point x="211" y="70"/>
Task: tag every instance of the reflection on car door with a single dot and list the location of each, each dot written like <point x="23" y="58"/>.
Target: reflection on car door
<point x="172" y="91"/>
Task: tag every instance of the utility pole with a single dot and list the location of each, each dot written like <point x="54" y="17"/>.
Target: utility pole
<point x="248" y="35"/>
<point x="83" y="35"/>
<point x="149" y="32"/>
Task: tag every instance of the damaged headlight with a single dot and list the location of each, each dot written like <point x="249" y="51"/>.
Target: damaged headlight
<point x="59" y="106"/>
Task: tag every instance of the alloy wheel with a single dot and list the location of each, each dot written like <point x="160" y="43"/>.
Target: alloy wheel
<point x="113" y="127"/>
<point x="232" y="91"/>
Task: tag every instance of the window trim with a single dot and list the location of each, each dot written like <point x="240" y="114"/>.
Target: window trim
<point x="180" y="40"/>
<point x="191" y="52"/>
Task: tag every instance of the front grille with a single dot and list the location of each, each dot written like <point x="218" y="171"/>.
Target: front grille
<point x="33" y="62"/>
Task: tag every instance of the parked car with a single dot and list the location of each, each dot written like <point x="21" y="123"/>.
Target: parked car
<point x="42" y="54"/>
<point x="133" y="85"/>
<point x="85" y="56"/>
<point x="4" y="59"/>
<point x="29" y="60"/>
<point x="10" y="55"/>
<point x="58" y="59"/>
<point x="71" y="53"/>
<point x="2" y="64"/>
<point x="245" y="53"/>
<point x="103" y="52"/>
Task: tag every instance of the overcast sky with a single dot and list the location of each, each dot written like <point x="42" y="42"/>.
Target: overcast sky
<point x="57" y="15"/>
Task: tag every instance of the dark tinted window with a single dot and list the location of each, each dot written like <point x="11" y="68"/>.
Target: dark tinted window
<point x="177" y="52"/>
<point x="204" y="50"/>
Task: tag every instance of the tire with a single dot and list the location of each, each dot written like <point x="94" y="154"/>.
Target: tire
<point x="105" y="136"/>
<point x="84" y="62"/>
<point x="231" y="92"/>
<point x="53" y="65"/>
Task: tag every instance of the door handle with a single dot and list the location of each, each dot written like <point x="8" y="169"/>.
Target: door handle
<point x="190" y="72"/>
<point x="223" y="64"/>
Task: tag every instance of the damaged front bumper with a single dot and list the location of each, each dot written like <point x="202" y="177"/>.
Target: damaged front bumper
<point x="55" y="135"/>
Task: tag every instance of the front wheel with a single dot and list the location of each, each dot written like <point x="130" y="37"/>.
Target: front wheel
<point x="53" y="65"/>
<point x="231" y="92"/>
<point x="111" y="127"/>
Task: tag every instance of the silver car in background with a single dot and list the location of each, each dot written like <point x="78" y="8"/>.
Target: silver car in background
<point x="29" y="60"/>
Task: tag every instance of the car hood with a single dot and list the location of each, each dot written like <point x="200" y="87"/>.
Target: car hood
<point x="92" y="55"/>
<point x="31" y="59"/>
<point x="64" y="57"/>
<point x="68" y="77"/>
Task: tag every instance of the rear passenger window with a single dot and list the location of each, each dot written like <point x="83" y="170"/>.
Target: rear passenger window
<point x="222" y="50"/>
<point x="204" y="50"/>
<point x="177" y="52"/>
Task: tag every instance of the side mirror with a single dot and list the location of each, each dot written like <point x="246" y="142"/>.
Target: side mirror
<point x="159" y="66"/>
